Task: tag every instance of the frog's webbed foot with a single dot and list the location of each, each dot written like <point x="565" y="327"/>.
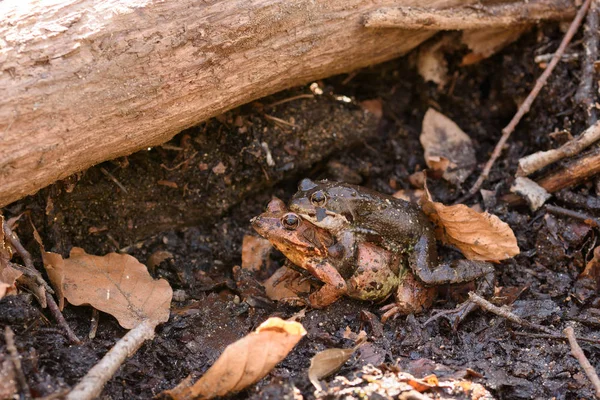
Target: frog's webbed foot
<point x="423" y="262"/>
<point x="485" y="287"/>
<point x="391" y="311"/>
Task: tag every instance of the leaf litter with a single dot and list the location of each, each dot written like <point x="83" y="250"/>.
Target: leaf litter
<point x="448" y="150"/>
<point x="479" y="236"/>
<point x="117" y="284"/>
<point x="244" y="362"/>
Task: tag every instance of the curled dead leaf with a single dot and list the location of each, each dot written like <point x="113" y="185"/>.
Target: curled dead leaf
<point x="479" y="236"/>
<point x="8" y="279"/>
<point x="374" y="106"/>
<point x="588" y="282"/>
<point x="117" y="284"/>
<point x="448" y="150"/>
<point x="254" y="252"/>
<point x="244" y="362"/>
<point x="327" y="362"/>
<point x="485" y="42"/>
<point x="8" y="274"/>
<point x="431" y="62"/>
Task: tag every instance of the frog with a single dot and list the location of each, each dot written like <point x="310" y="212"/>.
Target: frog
<point x="376" y="272"/>
<point x="355" y="214"/>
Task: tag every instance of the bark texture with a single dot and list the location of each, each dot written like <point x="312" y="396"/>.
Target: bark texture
<point x="84" y="81"/>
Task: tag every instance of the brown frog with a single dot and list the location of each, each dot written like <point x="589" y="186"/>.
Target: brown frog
<point x="354" y="214"/>
<point x="368" y="273"/>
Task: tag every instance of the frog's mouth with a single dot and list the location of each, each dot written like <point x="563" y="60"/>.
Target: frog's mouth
<point x="327" y="219"/>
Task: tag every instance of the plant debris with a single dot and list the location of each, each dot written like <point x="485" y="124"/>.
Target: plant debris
<point x="448" y="150"/>
<point x="326" y="363"/>
<point x="117" y="284"/>
<point x="479" y="236"/>
<point x="244" y="362"/>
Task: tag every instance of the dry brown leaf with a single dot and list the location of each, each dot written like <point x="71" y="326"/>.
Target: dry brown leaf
<point x="117" y="284"/>
<point x="479" y="236"/>
<point x="374" y="106"/>
<point x="327" y="362"/>
<point x="432" y="64"/>
<point x="285" y="283"/>
<point x="448" y="149"/>
<point x="8" y="278"/>
<point x="244" y="362"/>
<point x="485" y="42"/>
<point x="254" y="252"/>
<point x="414" y="196"/>
<point x="8" y="275"/>
<point x="588" y="282"/>
<point x="157" y="257"/>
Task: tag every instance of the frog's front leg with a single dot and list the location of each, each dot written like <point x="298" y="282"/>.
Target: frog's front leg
<point x="423" y="261"/>
<point x="334" y="285"/>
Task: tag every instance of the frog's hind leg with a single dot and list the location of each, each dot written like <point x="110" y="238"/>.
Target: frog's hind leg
<point x="334" y="286"/>
<point x="423" y="261"/>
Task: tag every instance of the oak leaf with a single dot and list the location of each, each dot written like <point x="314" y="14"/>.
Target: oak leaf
<point x="117" y="284"/>
<point x="244" y="362"/>
<point x="479" y="236"/>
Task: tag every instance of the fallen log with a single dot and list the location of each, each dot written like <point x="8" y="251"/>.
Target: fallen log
<point x="91" y="80"/>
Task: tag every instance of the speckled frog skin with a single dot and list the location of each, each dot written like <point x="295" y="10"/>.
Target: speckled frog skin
<point x="355" y="214"/>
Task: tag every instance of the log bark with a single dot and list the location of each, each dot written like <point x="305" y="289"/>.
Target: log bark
<point x="84" y="81"/>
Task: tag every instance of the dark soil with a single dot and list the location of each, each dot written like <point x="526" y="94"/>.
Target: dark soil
<point x="180" y="199"/>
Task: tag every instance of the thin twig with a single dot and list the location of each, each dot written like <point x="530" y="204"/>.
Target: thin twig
<point x="9" y="336"/>
<point x="504" y="313"/>
<point x="536" y="161"/>
<point x="524" y="108"/>
<point x="94" y="323"/>
<point x="279" y="120"/>
<point x="29" y="268"/>
<point x="555" y="337"/>
<point x="92" y="383"/>
<point x="572" y="173"/>
<point x="300" y="96"/>
<point x="583" y="361"/>
<point x="573" y="214"/>
<point x="52" y="306"/>
<point x="115" y="180"/>
<point x="460" y="18"/>
<point x="60" y="319"/>
<point x="586" y="94"/>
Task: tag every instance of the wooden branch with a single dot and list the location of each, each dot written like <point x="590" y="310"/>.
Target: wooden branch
<point x="536" y="161"/>
<point x="90" y="80"/>
<point x="573" y="173"/>
<point x="469" y="17"/>
<point x="582" y="359"/>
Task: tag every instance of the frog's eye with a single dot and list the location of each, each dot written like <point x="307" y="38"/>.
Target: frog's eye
<point x="318" y="198"/>
<point x="290" y="221"/>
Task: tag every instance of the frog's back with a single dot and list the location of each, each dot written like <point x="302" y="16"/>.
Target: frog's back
<point x="382" y="214"/>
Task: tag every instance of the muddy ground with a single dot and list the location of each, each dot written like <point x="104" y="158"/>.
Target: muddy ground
<point x="194" y="198"/>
